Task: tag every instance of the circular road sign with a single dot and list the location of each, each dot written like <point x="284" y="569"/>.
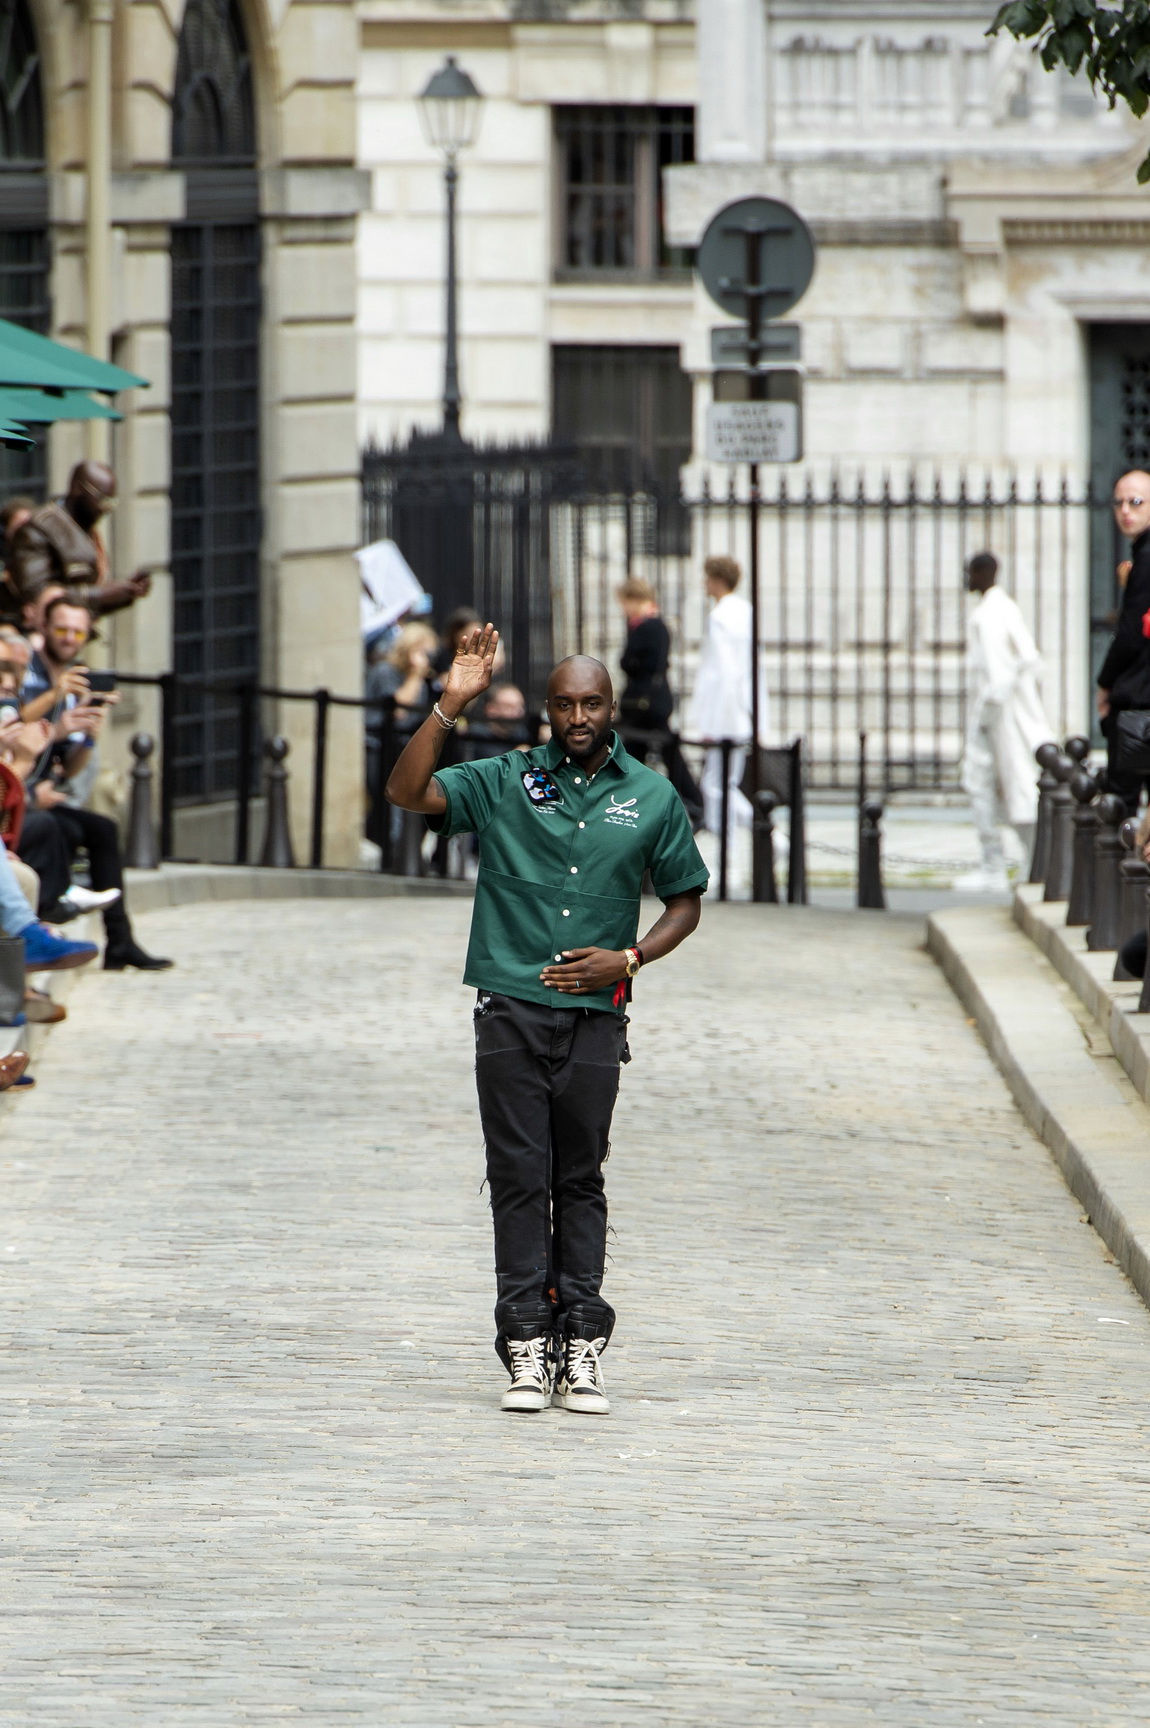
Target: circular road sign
<point x="768" y="238"/>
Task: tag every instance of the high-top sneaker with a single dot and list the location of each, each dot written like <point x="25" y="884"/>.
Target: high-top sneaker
<point x="579" y="1383"/>
<point x="531" y="1373"/>
<point x="525" y="1346"/>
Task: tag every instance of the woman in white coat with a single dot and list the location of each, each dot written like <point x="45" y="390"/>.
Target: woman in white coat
<point x="1006" y="723"/>
<point x="721" y="703"/>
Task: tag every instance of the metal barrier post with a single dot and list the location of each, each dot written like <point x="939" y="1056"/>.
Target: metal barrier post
<point x="247" y="695"/>
<point x="870" y="889"/>
<point x="1103" y="932"/>
<point x="765" y="887"/>
<point x="1134" y="873"/>
<point x="797" y="851"/>
<point x="1046" y="755"/>
<point x="1060" y="862"/>
<point x="1084" y="817"/>
<point x="725" y="748"/>
<point x="319" y="776"/>
<point x="277" y="851"/>
<point x="168" y="690"/>
<point x="141" y="852"/>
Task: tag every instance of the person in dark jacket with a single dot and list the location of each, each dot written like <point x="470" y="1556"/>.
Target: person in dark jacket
<point x="648" y="701"/>
<point x="1124" y="677"/>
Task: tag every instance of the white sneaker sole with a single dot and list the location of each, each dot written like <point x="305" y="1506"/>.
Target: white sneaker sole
<point x="523" y="1400"/>
<point x="586" y="1403"/>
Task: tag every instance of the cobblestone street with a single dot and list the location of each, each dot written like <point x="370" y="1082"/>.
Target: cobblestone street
<point x="878" y="1443"/>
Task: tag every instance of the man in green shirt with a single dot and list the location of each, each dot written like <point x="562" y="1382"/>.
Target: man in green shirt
<point x="566" y="833"/>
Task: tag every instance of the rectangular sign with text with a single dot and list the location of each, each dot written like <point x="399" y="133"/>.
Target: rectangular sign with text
<point x="753" y="432"/>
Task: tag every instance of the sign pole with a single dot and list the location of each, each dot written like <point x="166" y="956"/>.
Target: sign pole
<point x="756" y="276"/>
<point x="771" y="245"/>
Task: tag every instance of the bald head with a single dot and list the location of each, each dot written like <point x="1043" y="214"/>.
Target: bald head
<point x="91" y="492"/>
<point x="581" y="708"/>
<point x="580" y="670"/>
<point x="1131" y="502"/>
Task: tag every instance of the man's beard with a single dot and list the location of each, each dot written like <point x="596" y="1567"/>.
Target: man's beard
<point x="582" y="752"/>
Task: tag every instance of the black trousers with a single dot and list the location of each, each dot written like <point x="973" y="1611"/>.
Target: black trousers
<point x="547" y="1081"/>
<point x="1125" y="785"/>
<point x="49" y="842"/>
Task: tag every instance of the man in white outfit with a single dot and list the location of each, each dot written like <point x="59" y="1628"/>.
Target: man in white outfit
<point x="721" y="704"/>
<point x="1006" y="723"/>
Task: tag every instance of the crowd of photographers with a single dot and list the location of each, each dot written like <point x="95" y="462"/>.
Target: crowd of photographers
<point x="59" y="858"/>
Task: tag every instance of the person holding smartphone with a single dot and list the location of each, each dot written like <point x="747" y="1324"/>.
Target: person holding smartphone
<point x="58" y="693"/>
<point x="567" y="832"/>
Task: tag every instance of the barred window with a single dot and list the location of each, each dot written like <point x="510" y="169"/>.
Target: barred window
<point x="610" y="162"/>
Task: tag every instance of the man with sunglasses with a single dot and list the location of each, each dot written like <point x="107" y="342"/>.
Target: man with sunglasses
<point x="61" y="543"/>
<point x="1124" y="677"/>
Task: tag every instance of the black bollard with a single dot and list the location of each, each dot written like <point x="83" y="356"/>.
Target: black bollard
<point x="1084" y="817"/>
<point x="409" y="852"/>
<point x="1134" y="879"/>
<point x="1077" y="748"/>
<point x="1103" y="932"/>
<point x="1060" y="863"/>
<point x="141" y="850"/>
<point x="1046" y="756"/>
<point x="766" y="889"/>
<point x="870" y="889"/>
<point x="277" y="851"/>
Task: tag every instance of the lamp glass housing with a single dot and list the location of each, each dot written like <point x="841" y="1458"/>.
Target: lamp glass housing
<point x="449" y="109"/>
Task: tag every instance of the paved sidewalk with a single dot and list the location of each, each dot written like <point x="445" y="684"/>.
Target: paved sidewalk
<point x="878" y="1451"/>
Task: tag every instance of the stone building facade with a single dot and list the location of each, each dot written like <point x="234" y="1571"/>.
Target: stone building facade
<point x="981" y="299"/>
<point x="231" y="199"/>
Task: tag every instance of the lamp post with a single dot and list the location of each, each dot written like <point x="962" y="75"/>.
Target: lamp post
<point x="449" y="111"/>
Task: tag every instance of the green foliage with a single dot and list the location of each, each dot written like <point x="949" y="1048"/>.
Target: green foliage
<point x="1109" y="43"/>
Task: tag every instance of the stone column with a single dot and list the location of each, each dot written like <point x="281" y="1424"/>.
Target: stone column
<point x="731" y="38"/>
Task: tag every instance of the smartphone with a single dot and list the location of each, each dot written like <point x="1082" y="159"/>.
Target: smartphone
<point x="103" y="682"/>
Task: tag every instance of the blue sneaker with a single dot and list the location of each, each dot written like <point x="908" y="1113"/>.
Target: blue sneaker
<point x="46" y="952"/>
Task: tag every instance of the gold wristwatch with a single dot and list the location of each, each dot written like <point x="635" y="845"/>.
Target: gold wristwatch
<point x="634" y="961"/>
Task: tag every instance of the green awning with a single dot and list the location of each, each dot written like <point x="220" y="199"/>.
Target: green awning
<point x="28" y="359"/>
<point x="13" y="437"/>
<point x="45" y="407"/>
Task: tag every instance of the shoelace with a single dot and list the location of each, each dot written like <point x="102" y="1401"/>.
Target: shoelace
<point x="529" y="1361"/>
<point x="581" y="1367"/>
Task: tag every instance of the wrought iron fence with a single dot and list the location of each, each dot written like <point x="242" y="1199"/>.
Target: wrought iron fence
<point x="862" y="599"/>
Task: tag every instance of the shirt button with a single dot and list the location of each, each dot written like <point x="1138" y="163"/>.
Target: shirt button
<point x="582" y="824"/>
<point x="574" y="869"/>
<point x="558" y="956"/>
<point x="578" y="782"/>
<point x="566" y="914"/>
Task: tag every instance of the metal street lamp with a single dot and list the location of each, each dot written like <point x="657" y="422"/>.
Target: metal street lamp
<point x="449" y="110"/>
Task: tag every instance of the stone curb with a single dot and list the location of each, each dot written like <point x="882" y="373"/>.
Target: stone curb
<point x="1113" y="1003"/>
<point x="187" y="884"/>
<point x="1072" y="1092"/>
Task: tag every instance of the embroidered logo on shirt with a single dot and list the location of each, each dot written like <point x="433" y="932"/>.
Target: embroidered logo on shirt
<point x="540" y="787"/>
<point x="622" y="815"/>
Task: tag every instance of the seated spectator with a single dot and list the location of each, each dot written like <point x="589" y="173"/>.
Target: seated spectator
<point x="57" y="825"/>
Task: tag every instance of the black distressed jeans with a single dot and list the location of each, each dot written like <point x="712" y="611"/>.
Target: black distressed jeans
<point x="547" y="1080"/>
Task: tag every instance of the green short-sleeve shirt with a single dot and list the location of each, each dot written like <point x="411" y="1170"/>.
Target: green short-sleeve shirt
<point x="562" y="860"/>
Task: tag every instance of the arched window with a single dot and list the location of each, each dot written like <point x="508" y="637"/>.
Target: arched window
<point x="213" y="118"/>
<point x="215" y="334"/>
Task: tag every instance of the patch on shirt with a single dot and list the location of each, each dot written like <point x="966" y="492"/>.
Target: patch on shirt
<point x="622" y="815"/>
<point x="540" y="787"/>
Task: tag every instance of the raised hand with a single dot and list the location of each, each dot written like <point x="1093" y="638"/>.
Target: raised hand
<point x="470" y="672"/>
